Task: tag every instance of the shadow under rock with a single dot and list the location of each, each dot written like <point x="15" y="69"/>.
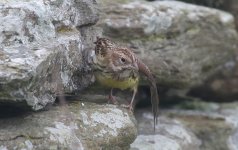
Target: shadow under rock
<point x="9" y="110"/>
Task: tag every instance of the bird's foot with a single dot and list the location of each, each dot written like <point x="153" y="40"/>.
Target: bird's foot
<point x="113" y="100"/>
<point x="129" y="107"/>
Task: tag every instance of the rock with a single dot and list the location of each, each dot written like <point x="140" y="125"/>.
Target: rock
<point x="209" y="3"/>
<point x="180" y="42"/>
<point x="170" y="134"/>
<point x="222" y="87"/>
<point x="145" y="142"/>
<point x="231" y="117"/>
<point x="233" y="8"/>
<point x="42" y="44"/>
<point x="213" y="127"/>
<point x="79" y="125"/>
<point x="226" y="5"/>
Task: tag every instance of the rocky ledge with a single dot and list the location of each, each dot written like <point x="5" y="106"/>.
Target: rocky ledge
<point x="77" y="126"/>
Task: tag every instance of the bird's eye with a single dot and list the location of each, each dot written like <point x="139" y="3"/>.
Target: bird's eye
<point x="123" y="60"/>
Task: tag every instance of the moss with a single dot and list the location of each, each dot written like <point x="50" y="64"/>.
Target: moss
<point x="155" y="38"/>
<point x="207" y="68"/>
<point x="63" y="29"/>
<point x="4" y="95"/>
<point x="104" y="2"/>
<point x="193" y="30"/>
<point x="150" y="38"/>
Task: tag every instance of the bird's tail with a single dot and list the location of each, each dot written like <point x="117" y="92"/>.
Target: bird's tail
<point x="153" y="89"/>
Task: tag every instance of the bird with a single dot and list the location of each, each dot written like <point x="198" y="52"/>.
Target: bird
<point x="117" y="67"/>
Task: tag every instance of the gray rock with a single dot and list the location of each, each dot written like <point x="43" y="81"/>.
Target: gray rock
<point x="224" y="86"/>
<point x="226" y="5"/>
<point x="145" y="142"/>
<point x="230" y="113"/>
<point x="182" y="43"/>
<point x="170" y="134"/>
<point x="41" y="46"/>
<point x="219" y="87"/>
<point x="189" y="128"/>
<point x="77" y="126"/>
<point x="232" y="141"/>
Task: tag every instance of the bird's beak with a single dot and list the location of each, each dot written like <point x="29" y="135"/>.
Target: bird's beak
<point x="135" y="66"/>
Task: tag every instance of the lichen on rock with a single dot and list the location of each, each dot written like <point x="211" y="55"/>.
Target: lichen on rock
<point x="39" y="59"/>
<point x="180" y="42"/>
<point x="71" y="127"/>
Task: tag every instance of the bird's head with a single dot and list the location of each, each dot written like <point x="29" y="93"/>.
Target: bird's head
<point x="118" y="58"/>
<point x="124" y="58"/>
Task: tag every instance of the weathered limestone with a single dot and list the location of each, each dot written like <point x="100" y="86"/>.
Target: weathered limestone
<point x="189" y="125"/>
<point x="182" y="43"/>
<point x="41" y="46"/>
<point x="170" y="134"/>
<point x="77" y="126"/>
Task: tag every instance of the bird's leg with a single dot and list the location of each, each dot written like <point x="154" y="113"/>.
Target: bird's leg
<point x="130" y="106"/>
<point x="112" y="98"/>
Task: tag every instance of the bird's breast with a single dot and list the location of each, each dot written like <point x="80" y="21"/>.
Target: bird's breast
<point x="115" y="81"/>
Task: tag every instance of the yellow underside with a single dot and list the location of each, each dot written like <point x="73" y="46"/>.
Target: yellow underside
<point x="110" y="82"/>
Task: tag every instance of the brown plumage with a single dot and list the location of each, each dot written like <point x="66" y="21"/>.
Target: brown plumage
<point x="119" y="67"/>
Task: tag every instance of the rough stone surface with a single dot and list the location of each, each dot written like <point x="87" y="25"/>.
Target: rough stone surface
<point x="219" y="87"/>
<point x="170" y="134"/>
<point x="41" y="46"/>
<point x="226" y="5"/>
<point x="180" y="42"/>
<point x="222" y="87"/>
<point x="201" y="126"/>
<point x="77" y="126"/>
<point x="231" y="117"/>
